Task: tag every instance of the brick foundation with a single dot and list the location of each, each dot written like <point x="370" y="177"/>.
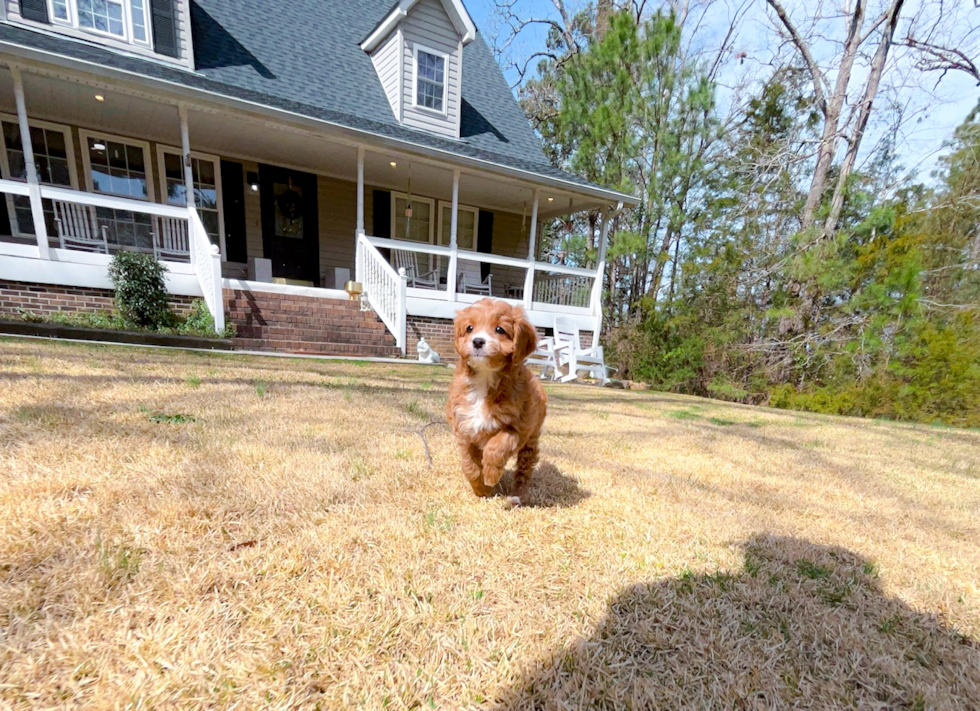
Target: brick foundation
<point x="49" y="299"/>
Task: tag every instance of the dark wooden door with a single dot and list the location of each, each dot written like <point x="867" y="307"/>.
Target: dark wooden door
<point x="290" y="234"/>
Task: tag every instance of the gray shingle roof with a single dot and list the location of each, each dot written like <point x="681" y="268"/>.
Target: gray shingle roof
<point x="303" y="56"/>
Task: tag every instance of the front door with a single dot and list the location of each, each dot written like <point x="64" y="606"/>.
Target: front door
<point x="289" y="223"/>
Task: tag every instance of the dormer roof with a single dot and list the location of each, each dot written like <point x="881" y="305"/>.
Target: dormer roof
<point x="454" y="8"/>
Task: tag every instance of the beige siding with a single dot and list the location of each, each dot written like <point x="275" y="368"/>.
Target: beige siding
<point x="509" y="240"/>
<point x="253" y="215"/>
<point x="183" y="22"/>
<point x="385" y="59"/>
<point x="338" y="222"/>
<point x="427" y="24"/>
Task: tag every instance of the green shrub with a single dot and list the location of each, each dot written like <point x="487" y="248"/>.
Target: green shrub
<point x="141" y="296"/>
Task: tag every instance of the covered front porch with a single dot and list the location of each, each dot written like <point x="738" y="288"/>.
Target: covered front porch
<point x="230" y="200"/>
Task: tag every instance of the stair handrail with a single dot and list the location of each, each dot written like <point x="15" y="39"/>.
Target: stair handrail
<point x="386" y="290"/>
<point x="206" y="258"/>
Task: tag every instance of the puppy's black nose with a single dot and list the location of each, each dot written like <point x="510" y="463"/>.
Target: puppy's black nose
<point x="478" y="343"/>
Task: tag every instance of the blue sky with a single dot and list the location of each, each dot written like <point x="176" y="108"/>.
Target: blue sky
<point x="936" y="112"/>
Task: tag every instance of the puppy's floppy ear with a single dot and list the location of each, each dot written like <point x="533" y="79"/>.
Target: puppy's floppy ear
<point x="525" y="337"/>
<point x="459" y="332"/>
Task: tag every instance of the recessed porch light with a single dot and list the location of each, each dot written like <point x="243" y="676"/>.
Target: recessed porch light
<point x="99" y="97"/>
<point x="551" y="199"/>
<point x="393" y="164"/>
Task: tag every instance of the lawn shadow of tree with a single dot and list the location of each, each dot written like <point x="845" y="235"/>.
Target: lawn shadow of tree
<point x="800" y="626"/>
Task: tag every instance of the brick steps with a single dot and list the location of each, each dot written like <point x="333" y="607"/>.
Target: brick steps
<point x="301" y="324"/>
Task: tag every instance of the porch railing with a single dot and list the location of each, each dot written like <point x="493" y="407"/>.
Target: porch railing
<point x="385" y="288"/>
<point x="77" y="221"/>
<point x="555" y="287"/>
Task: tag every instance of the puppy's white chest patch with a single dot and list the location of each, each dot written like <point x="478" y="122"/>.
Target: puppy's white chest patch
<point x="476" y="412"/>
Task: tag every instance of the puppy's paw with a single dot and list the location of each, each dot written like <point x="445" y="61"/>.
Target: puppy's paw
<point x="513" y="501"/>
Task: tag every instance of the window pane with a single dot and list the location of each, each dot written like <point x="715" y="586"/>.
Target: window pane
<point x="11" y="135"/>
<point x="60" y="174"/>
<point x="176" y="192"/>
<point x="37" y="140"/>
<point x="417" y="226"/>
<point x="97" y="151"/>
<point x="18" y="169"/>
<point x="117" y="155"/>
<point x="61" y="9"/>
<point x="134" y="155"/>
<point x="206" y="198"/>
<point x="205" y="172"/>
<point x="172" y="167"/>
<point x="56" y="144"/>
<point x="139" y="21"/>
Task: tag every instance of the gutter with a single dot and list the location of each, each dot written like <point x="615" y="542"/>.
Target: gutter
<point x="101" y="71"/>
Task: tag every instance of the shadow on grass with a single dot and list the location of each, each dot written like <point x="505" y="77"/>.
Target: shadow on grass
<point x="551" y="489"/>
<point x="801" y="625"/>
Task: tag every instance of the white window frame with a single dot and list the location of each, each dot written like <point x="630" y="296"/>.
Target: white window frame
<point x="162" y="174"/>
<point x="415" y="198"/>
<point x="459" y="208"/>
<point x="85" y="134"/>
<point x="127" y="35"/>
<point x="5" y="161"/>
<point x="416" y="48"/>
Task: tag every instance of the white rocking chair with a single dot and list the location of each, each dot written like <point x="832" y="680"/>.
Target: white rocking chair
<point x="573" y="356"/>
<point x="408" y="262"/>
<point x="546" y="358"/>
<point x="78" y="229"/>
<point x="470" y="284"/>
<point x="170" y="239"/>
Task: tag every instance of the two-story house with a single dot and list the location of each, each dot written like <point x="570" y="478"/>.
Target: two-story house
<point x="270" y="152"/>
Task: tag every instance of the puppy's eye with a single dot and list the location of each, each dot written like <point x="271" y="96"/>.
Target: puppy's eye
<point x="469" y="329"/>
<point x="501" y="331"/>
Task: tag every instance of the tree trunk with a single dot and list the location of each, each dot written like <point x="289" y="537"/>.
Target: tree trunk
<point x="854" y="141"/>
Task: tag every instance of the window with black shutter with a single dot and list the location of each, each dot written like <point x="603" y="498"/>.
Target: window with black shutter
<point x="164" y="27"/>
<point x="36" y="10"/>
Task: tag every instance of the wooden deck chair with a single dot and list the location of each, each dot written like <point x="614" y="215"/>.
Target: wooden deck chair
<point x="170" y="239"/>
<point x="416" y="278"/>
<point x="78" y="228"/>
<point x="575" y="358"/>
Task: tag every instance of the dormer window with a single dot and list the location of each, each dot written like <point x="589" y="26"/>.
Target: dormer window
<point x="125" y="19"/>
<point x="430" y="79"/>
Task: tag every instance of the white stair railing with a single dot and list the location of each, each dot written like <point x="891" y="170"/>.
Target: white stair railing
<point x="206" y="258"/>
<point x="386" y="289"/>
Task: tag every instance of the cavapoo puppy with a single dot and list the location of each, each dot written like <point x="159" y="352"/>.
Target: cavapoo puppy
<point x="496" y="406"/>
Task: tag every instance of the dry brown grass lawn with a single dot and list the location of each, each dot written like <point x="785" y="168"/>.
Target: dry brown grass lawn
<point x="181" y="530"/>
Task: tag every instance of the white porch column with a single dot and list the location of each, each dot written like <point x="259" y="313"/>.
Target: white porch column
<point x="531" y="247"/>
<point x="607" y="220"/>
<point x="360" y="191"/>
<point x="185" y="148"/>
<point x="453" y="221"/>
<point x="33" y="185"/>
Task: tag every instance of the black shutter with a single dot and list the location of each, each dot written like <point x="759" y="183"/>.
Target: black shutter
<point x="164" y="27"/>
<point x="233" y="199"/>
<point x="36" y="10"/>
<point x="484" y="239"/>
<point x="382" y="214"/>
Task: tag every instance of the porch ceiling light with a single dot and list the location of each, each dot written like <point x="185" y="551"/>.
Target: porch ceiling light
<point x="393" y="164"/>
<point x="98" y="146"/>
<point x="99" y="97"/>
<point x="551" y="199"/>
